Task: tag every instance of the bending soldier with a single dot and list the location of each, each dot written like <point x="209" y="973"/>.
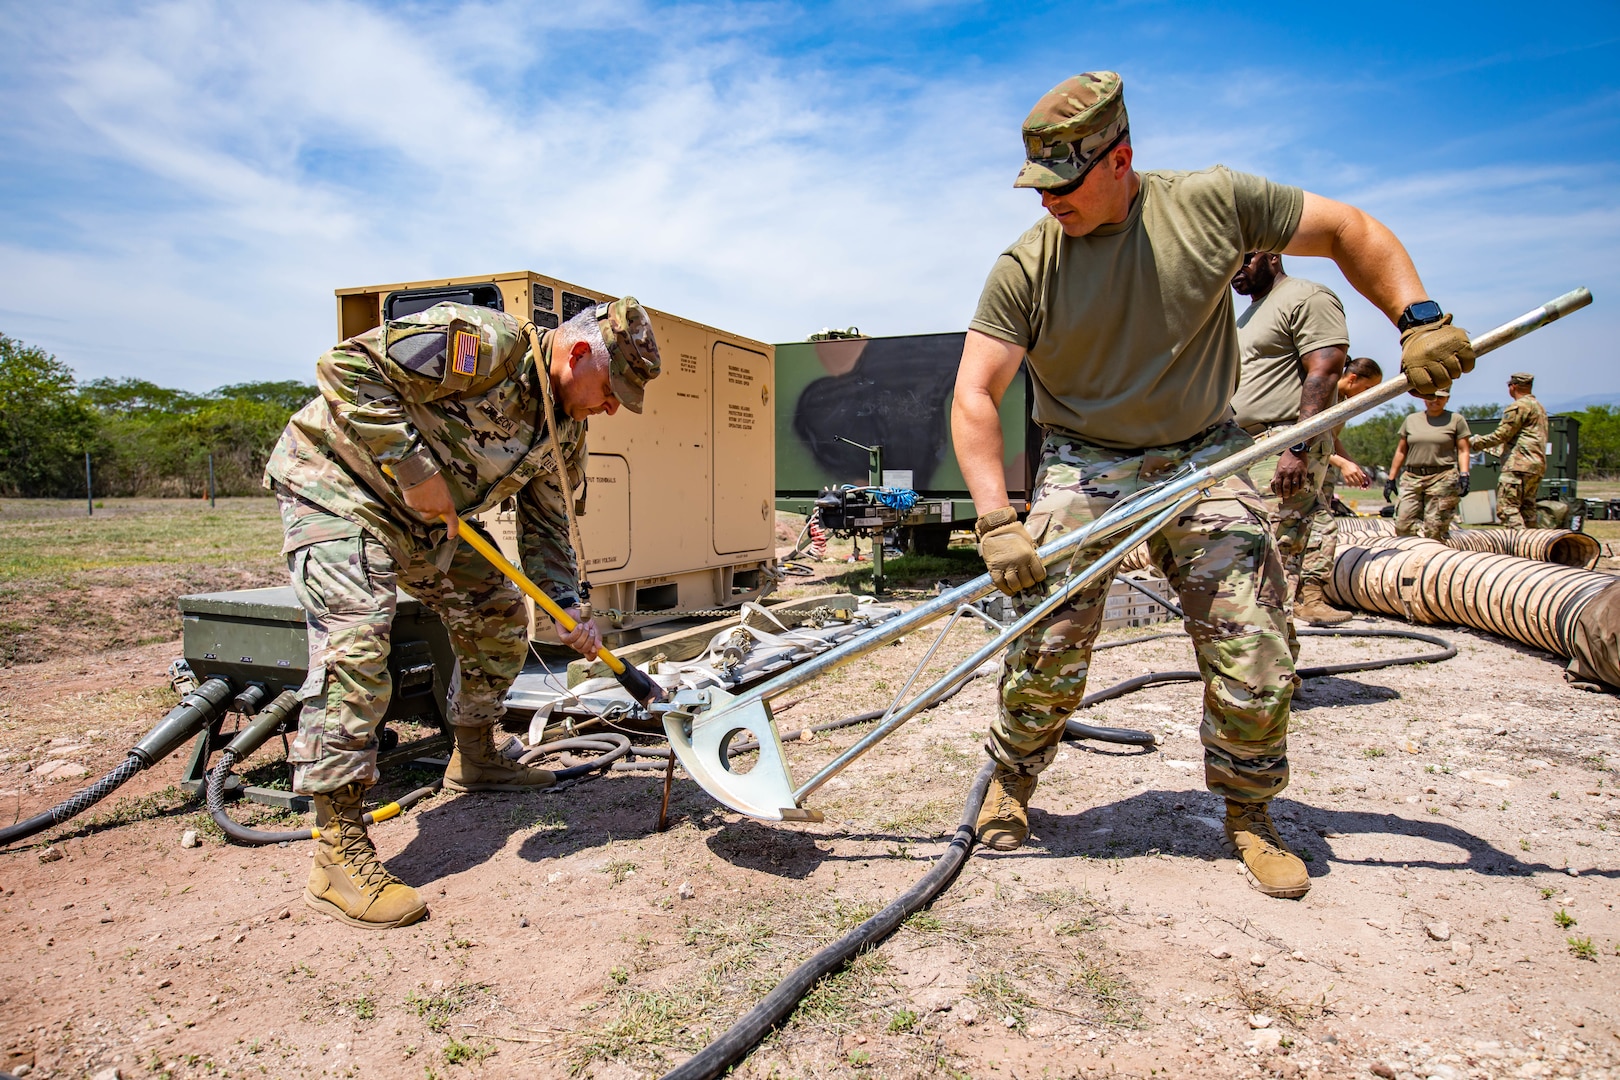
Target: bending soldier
<point x="1119" y="299"/>
<point x="1521" y="440"/>
<point x="1293" y="345"/>
<point x="420" y="422"/>
<point x="1430" y="468"/>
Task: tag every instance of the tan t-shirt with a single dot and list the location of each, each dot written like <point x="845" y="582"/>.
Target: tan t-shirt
<point x="1432" y="440"/>
<point x="1129" y="330"/>
<point x="1296" y="317"/>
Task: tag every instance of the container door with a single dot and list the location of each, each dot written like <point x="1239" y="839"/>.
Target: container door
<point x="744" y="451"/>
<point x="605" y="528"/>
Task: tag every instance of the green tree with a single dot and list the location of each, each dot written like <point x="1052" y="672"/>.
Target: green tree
<point x="44" y="426"/>
<point x="289" y="395"/>
<point x="1600" y="441"/>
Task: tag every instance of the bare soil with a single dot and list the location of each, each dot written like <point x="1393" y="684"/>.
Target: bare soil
<point x="1450" y="814"/>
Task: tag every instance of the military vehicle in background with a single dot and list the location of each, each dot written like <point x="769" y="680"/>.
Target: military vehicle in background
<point x="842" y="396"/>
<point x="1558" y="498"/>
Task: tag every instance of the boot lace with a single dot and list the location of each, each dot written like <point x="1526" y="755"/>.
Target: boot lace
<point x="360" y="855"/>
<point x="1259" y="822"/>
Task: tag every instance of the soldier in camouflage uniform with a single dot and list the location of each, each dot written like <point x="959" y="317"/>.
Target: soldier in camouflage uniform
<point x="1430" y="469"/>
<point x="1521" y="440"/>
<point x="421" y="422"/>
<point x="1361" y="374"/>
<point x="1118" y="301"/>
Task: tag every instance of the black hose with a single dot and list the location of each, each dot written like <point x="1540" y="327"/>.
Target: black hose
<point x="778" y="1005"/>
<point x="77" y="804"/>
<point x="262" y="837"/>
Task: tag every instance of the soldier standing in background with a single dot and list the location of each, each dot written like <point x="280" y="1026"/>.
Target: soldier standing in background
<point x="1361" y="374"/>
<point x="1431" y="468"/>
<point x="422" y="421"/>
<point x="1119" y="299"/>
<point x="1521" y="440"/>
<point x="1293" y="343"/>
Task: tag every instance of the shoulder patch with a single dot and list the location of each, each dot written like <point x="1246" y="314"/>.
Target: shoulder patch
<point x="421" y="352"/>
<point x="464" y="352"/>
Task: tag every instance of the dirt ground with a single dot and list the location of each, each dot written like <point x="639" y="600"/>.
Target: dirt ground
<point x="1462" y="822"/>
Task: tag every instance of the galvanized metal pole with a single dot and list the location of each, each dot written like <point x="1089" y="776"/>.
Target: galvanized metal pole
<point x="89" y="489"/>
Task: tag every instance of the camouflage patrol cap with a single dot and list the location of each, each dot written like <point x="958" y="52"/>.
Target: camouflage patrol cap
<point x="1074" y="124"/>
<point x="1522" y="378"/>
<point x="632" y="352"/>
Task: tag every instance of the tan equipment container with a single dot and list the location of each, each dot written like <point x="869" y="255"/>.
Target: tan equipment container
<point x="679" y="499"/>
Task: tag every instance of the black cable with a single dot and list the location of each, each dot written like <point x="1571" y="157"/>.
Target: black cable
<point x="75" y="805"/>
<point x="714" y="1059"/>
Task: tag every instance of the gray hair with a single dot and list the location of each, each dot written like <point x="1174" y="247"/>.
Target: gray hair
<point x="585" y="327"/>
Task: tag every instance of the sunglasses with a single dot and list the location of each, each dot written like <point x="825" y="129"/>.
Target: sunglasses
<point x="1074" y="185"/>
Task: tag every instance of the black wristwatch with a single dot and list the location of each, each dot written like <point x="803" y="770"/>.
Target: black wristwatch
<point x="1300" y="448"/>
<point x="1419" y="314"/>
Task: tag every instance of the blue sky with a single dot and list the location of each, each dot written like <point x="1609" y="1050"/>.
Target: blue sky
<point x="183" y="184"/>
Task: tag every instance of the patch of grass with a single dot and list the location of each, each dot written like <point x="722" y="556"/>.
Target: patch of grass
<point x="457" y="1052"/>
<point x="1564" y="919"/>
<point x="1372" y="752"/>
<point x="902" y="1020"/>
<point x="1003" y="997"/>
<point x="914" y="571"/>
<point x="619" y="975"/>
<point x="1110" y="994"/>
<point x="1582" y="948"/>
<point x="924" y="922"/>
<point x="364" y="1007"/>
<point x="838" y="999"/>
<point x="1546" y="892"/>
<point x="645" y="1022"/>
<point x="930" y="817"/>
<point x="436" y="1008"/>
<point x="618" y="870"/>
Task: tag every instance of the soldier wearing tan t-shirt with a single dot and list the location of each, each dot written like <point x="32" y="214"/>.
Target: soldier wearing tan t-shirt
<point x="1431" y="468"/>
<point x="1295" y="344"/>
<point x="1119" y="299"/>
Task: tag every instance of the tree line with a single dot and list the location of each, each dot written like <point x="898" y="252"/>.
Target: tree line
<point x="143" y="439"/>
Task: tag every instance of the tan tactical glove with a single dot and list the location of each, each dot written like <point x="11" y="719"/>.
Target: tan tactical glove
<point x="1435" y="353"/>
<point x="1008" y="551"/>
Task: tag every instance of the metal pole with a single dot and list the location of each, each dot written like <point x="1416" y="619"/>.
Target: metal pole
<point x="89" y="488"/>
<point x="210" y="479"/>
<point x="1132" y="511"/>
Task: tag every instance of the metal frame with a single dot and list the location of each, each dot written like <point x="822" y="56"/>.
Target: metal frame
<point x="704" y="722"/>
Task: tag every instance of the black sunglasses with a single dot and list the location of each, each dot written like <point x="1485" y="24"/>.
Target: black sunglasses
<point x="1074" y="185"/>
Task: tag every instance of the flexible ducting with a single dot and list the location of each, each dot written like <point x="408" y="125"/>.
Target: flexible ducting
<point x="1543" y="605"/>
<point x="1544" y="545"/>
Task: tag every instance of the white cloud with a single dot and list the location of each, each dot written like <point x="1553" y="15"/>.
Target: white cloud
<point x="225" y="166"/>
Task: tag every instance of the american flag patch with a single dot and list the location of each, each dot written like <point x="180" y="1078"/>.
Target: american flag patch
<point x="464" y="353"/>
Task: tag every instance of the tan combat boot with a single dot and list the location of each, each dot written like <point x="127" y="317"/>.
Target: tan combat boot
<point x="1004" y="817"/>
<point x="1312" y="607"/>
<point x="1252" y="836"/>
<point x="477" y="764"/>
<point x="348" y="882"/>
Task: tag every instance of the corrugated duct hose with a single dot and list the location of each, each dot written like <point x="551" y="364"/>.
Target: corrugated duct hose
<point x="1560" y="546"/>
<point x="719" y="1056"/>
<point x="1564" y="610"/>
<point x="195" y="711"/>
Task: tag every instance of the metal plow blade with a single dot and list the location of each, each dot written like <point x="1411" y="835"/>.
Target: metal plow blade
<point x="703" y="725"/>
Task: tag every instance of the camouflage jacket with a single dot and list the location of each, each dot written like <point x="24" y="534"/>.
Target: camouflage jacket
<point x="1521" y="437"/>
<point x="453" y="390"/>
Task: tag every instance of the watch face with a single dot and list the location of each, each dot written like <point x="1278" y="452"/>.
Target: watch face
<point x="1424" y="311"/>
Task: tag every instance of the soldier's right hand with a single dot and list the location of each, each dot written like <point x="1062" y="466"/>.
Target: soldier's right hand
<point x="1009" y="551"/>
<point x="1435" y="353"/>
<point x="430" y="500"/>
<point x="1390" y="488"/>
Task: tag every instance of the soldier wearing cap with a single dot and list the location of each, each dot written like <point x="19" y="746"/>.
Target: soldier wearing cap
<point x="1429" y="469"/>
<point x="1118" y="299"/>
<point x="1521" y="440"/>
<point x="421" y="422"/>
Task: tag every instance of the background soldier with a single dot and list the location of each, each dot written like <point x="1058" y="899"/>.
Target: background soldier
<point x="1360" y="375"/>
<point x="421" y="421"/>
<point x="1293" y="343"/>
<point x="1119" y="297"/>
<point x="1521" y="440"/>
<point x="1433" y="449"/>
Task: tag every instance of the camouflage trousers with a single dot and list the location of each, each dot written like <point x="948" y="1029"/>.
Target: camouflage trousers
<point x="1516" y="499"/>
<point x="1220" y="558"/>
<point x="347" y="588"/>
<point x="1302" y="524"/>
<point x="1427" y="504"/>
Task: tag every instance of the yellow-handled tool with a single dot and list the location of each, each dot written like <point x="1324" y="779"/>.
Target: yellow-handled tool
<point x="632" y="678"/>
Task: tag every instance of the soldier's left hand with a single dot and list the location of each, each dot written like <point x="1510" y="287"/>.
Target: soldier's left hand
<point x="1435" y="353"/>
<point x="1290" y="476"/>
<point x="1462" y="484"/>
<point x="584" y="638"/>
<point x="1356" y="476"/>
<point x="431" y="501"/>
